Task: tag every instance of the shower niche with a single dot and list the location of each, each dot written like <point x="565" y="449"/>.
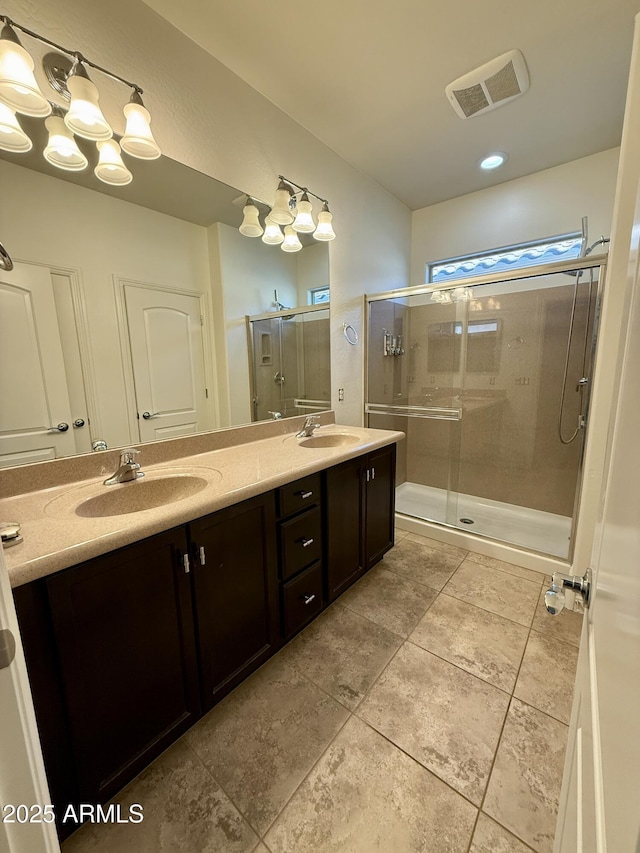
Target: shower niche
<point x="485" y="387"/>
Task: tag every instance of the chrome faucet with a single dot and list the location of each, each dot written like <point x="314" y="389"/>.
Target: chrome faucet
<point x="128" y="469"/>
<point x="311" y="423"/>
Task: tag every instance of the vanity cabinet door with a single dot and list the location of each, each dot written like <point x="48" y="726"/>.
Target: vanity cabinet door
<point x="344" y="514"/>
<point x="380" y="504"/>
<point x="123" y="628"/>
<point x="235" y="593"/>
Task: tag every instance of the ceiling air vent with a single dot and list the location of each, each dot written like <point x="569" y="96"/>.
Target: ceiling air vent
<point x="493" y="84"/>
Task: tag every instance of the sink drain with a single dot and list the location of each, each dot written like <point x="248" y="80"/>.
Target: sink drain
<point x="466" y="521"/>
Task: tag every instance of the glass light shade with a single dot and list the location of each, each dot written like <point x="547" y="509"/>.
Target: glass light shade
<point x="281" y="212"/>
<point x="12" y="136"/>
<point x="273" y="235"/>
<point x="110" y="168"/>
<point x="324" y="231"/>
<point x="18" y="87"/>
<point x="250" y="224"/>
<point x="62" y="149"/>
<point x="85" y="117"/>
<point x="304" y="220"/>
<point x="138" y="140"/>
<point x="291" y="242"/>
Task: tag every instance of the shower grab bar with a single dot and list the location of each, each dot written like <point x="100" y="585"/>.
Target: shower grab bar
<point x="439" y="413"/>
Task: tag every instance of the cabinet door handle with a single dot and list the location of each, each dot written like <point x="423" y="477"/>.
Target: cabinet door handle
<point x="305" y="495"/>
<point x="305" y="542"/>
<point x="373" y="473"/>
<point x="202" y="556"/>
<point x="184" y="559"/>
<point x="309" y="598"/>
<point x="368" y="475"/>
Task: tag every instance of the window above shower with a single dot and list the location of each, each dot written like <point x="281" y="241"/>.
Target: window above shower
<point x="535" y="253"/>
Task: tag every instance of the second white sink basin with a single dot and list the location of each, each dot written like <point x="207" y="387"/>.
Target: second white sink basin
<point x="140" y="495"/>
<point x="330" y="439"/>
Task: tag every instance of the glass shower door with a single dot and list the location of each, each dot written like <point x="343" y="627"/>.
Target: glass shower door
<point x="417" y="394"/>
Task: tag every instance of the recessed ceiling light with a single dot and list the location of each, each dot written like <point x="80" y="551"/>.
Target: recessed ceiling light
<point x="494" y="160"/>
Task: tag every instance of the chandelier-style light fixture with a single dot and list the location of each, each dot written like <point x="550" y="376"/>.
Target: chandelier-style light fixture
<point x="293" y="214"/>
<point x="67" y="73"/>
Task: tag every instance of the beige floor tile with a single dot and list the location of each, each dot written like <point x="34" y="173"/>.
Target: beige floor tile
<point x="445" y="718"/>
<point x="421" y="563"/>
<point x="184" y="809"/>
<point x="438" y="545"/>
<point x="390" y="600"/>
<point x="343" y="653"/>
<point x="524" y="788"/>
<point x="495" y="591"/>
<point x="566" y="626"/>
<point x="399" y="535"/>
<point x="261" y="741"/>
<point x="547" y="676"/>
<point x="484" y="644"/>
<point x="365" y="795"/>
<point x="490" y="837"/>
<point x="510" y="568"/>
<point x="261" y="848"/>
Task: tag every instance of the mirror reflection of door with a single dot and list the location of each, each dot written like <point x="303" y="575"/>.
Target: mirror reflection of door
<point x="37" y="379"/>
<point x="167" y="354"/>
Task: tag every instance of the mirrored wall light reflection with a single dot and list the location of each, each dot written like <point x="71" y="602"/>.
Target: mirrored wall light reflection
<point x="251" y="226"/>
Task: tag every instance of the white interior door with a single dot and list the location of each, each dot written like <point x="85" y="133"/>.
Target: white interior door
<point x="600" y="804"/>
<point x="33" y="383"/>
<point x="167" y="352"/>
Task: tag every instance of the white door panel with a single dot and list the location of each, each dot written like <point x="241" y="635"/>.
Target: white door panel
<point x="167" y="353"/>
<point x="33" y="385"/>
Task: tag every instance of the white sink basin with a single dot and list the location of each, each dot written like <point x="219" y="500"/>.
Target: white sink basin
<point x="140" y="495"/>
<point x="330" y="439"/>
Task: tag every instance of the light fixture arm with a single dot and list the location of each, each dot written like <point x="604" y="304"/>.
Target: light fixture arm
<point x="73" y="53"/>
<point x="302" y="189"/>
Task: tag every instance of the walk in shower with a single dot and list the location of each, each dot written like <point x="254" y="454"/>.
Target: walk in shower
<point x="489" y="379"/>
<point x="290" y="362"/>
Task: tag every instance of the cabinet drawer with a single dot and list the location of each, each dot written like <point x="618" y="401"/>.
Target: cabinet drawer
<point x="300" y="542"/>
<point x="294" y="497"/>
<point x="302" y="599"/>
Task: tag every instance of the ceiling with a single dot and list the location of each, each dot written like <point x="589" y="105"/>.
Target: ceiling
<point x="367" y="77"/>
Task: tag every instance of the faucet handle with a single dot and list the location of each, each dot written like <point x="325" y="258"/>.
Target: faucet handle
<point x="128" y="456"/>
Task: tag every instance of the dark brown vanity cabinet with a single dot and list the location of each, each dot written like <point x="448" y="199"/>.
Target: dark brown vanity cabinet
<point x="123" y="683"/>
<point x="359" y="516"/>
<point x="300" y="552"/>
<point x="235" y="593"/>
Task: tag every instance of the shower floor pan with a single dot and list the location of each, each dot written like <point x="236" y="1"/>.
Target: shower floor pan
<point x="517" y="525"/>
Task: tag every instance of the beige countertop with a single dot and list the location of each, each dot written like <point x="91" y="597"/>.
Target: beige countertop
<point x="56" y="536"/>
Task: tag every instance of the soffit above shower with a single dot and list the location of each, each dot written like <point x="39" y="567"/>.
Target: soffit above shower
<point x="368" y="80"/>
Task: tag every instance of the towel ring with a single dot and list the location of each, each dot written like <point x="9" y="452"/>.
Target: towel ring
<point x="350" y="334"/>
<point x="5" y="259"/>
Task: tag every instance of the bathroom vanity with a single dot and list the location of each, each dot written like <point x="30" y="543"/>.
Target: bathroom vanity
<point x="128" y="647"/>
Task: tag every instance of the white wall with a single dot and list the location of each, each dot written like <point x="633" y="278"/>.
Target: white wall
<point x="206" y="117"/>
<point x="540" y="205"/>
<point x="313" y="270"/>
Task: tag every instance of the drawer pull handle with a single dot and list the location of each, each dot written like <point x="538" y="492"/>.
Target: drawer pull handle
<point x="305" y="542"/>
<point x="305" y="495"/>
<point x="309" y="598"/>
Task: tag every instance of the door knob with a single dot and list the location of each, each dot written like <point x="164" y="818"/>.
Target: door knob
<point x="62" y="427"/>
<point x="554" y="598"/>
<point x="148" y="415"/>
<point x="78" y="423"/>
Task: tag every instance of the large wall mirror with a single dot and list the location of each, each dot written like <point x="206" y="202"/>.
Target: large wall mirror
<point x="125" y="315"/>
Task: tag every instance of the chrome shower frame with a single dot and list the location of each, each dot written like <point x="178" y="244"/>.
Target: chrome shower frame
<point x="577" y="264"/>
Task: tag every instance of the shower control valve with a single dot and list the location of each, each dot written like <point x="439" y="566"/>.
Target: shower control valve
<point x="554" y="597"/>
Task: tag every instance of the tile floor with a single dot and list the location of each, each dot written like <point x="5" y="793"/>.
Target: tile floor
<point x="426" y="710"/>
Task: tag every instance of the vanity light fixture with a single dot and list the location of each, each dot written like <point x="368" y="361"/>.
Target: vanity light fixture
<point x="296" y="215"/>
<point x="67" y="73"/>
<point x="62" y="149"/>
<point x="250" y="223"/>
<point x="110" y="168"/>
<point x="12" y="136"/>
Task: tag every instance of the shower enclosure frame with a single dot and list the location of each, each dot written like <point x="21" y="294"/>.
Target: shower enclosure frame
<point x="584" y="262"/>
<point x="286" y="314"/>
